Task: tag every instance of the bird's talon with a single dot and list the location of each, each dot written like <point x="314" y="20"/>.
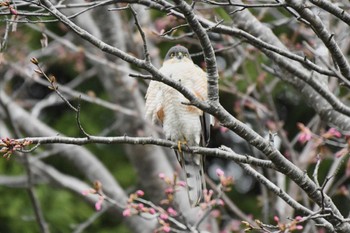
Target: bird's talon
<point x="179" y="145"/>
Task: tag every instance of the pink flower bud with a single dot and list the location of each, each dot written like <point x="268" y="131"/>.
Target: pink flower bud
<point x="223" y="129"/>
<point x="98" y="204"/>
<point x="215" y="213"/>
<point x="169" y="190"/>
<point x="276" y="218"/>
<point x="140" y="193"/>
<point x="13" y="11"/>
<point x="127" y="212"/>
<point x="304" y="137"/>
<point x="85" y="192"/>
<point x="163" y="216"/>
<point x="151" y="211"/>
<point x="299" y="227"/>
<point x="166" y="228"/>
<point x="161" y="176"/>
<point x="334" y="132"/>
<point x="181" y="183"/>
<point x="305" y="134"/>
<point x="171" y="211"/>
<point x="220" y="172"/>
<point x="220" y="202"/>
<point x="298" y="218"/>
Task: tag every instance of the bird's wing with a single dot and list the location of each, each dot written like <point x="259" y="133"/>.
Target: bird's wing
<point x="206" y="122"/>
<point x="153" y="107"/>
<point x="201" y="91"/>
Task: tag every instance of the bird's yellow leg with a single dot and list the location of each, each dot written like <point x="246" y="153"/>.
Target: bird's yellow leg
<point x="179" y="142"/>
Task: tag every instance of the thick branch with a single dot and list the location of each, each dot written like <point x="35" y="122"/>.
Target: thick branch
<point x="333" y="9"/>
<point x="209" y="55"/>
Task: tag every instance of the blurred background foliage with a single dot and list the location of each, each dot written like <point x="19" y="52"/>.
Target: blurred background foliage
<point x="64" y="210"/>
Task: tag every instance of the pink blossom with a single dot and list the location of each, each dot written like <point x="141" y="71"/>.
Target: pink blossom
<point x="276" y="218"/>
<point x="161" y="176"/>
<point x="151" y="211"/>
<point x="171" y="211"/>
<point x="220" y="202"/>
<point x="215" y="213"/>
<point x="140" y="193"/>
<point x="220" y="172"/>
<point x="140" y="206"/>
<point x="305" y="134"/>
<point x="333" y="132"/>
<point x="163" y="216"/>
<point x="127" y="212"/>
<point x="98" y="204"/>
<point x="86" y="192"/>
<point x="223" y="129"/>
<point x="166" y="228"/>
<point x="299" y="227"/>
<point x="298" y="218"/>
<point x="181" y="183"/>
<point x="13" y="11"/>
<point x="304" y="137"/>
<point x="169" y="190"/>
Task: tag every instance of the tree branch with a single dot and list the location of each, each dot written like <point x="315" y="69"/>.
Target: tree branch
<point x="326" y="37"/>
<point x="333" y="9"/>
<point x="209" y="54"/>
<point x="215" y="152"/>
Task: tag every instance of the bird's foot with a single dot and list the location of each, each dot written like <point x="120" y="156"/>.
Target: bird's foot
<point x="179" y="143"/>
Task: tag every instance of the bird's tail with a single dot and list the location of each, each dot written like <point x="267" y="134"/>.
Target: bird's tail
<point x="193" y="167"/>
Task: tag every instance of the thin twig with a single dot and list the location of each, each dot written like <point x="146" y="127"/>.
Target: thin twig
<point x="53" y="84"/>
<point x="78" y="119"/>
<point x="154" y="206"/>
<point x="142" y="76"/>
<point x="145" y="47"/>
<point x="226" y="48"/>
<point x="315" y="174"/>
<point x="82" y="226"/>
<point x="34" y="199"/>
<point x="230" y="3"/>
<point x="173" y="29"/>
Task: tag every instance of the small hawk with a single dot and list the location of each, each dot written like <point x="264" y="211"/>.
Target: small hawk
<point x="182" y="123"/>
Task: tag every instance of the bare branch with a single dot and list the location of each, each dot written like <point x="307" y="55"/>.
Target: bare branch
<point x="333" y="9"/>
<point x="221" y="153"/>
<point x="282" y="194"/>
<point x="323" y="34"/>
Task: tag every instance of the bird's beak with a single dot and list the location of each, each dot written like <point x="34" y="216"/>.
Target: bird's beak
<point x="179" y="55"/>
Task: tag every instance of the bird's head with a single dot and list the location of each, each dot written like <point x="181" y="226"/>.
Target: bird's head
<point x="177" y="53"/>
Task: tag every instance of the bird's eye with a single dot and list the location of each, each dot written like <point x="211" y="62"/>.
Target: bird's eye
<point x="172" y="55"/>
<point x="186" y="54"/>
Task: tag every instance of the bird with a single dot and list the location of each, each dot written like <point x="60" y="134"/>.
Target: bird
<point x="182" y="122"/>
